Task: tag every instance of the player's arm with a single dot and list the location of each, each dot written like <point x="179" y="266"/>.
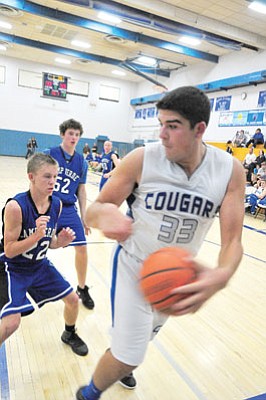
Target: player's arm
<point x="231" y="223"/>
<point x="104" y="213"/>
<point x="82" y="199"/>
<point x="13" y="225"/>
<point x="210" y="280"/>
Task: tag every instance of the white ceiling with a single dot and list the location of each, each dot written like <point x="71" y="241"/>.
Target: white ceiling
<point x="230" y="19"/>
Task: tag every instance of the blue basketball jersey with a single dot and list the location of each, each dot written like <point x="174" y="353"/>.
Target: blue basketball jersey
<point x="71" y="174"/>
<point x="29" y="215"/>
<point x="107" y="162"/>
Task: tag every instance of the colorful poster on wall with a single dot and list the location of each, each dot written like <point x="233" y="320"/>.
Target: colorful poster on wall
<point x="54" y="86"/>
<point x="243" y="118"/>
<point x="262" y="99"/>
<point x="223" y="103"/>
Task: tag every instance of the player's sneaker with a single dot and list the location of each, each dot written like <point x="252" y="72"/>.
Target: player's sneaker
<point x="129" y="381"/>
<point x="75" y="342"/>
<point x="85" y="297"/>
<point x="79" y="395"/>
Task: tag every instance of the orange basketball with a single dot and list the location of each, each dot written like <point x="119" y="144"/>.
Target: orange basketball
<point x="162" y="271"/>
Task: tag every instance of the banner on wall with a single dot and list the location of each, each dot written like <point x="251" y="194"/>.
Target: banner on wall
<point x="223" y="103"/>
<point x="243" y="118"/>
<point x="146" y="116"/>
<point x="211" y="103"/>
<point x="54" y="86"/>
<point x="262" y="99"/>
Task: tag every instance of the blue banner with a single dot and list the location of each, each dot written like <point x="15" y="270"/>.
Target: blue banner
<point x="262" y="99"/>
<point x="223" y="103"/>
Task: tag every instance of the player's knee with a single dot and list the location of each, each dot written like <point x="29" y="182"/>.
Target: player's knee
<point x="81" y="250"/>
<point x="72" y="300"/>
<point x="10" y="324"/>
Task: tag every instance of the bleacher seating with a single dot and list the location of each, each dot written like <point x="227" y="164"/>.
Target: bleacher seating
<point x="238" y="152"/>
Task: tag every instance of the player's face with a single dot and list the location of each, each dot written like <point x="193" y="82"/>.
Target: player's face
<point x="71" y="138"/>
<point x="44" y="179"/>
<point x="178" y="138"/>
<point x="107" y="147"/>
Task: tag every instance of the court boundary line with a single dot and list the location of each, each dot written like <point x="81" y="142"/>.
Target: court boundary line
<point x="4" y="379"/>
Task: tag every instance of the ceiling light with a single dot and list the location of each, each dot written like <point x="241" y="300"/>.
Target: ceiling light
<point x="3" y="47"/>
<point x="5" y="25"/>
<point x="109" y="17"/>
<point x="62" y="60"/>
<point x="257" y="6"/>
<point x="190" y="40"/>
<point x="81" y="44"/>
<point x="149" y="61"/>
<point x="117" y="72"/>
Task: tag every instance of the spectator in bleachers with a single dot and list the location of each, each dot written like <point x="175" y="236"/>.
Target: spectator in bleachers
<point x="229" y="147"/>
<point x="257" y="138"/>
<point x="259" y="196"/>
<point x="248" y="163"/>
<point x="240" y="139"/>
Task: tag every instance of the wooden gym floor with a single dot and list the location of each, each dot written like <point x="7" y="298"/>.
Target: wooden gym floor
<point x="218" y="353"/>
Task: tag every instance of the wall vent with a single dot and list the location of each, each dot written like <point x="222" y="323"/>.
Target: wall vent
<point x="58" y="32"/>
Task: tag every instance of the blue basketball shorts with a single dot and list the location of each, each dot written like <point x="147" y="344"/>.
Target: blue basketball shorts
<point x="41" y="282"/>
<point x="69" y="217"/>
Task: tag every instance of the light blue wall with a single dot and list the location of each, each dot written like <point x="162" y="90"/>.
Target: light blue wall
<point x="14" y="143"/>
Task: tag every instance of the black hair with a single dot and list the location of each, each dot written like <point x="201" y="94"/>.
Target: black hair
<point x="70" y="124"/>
<point x="190" y="102"/>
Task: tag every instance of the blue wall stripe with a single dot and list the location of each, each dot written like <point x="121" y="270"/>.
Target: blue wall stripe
<point x="260" y="397"/>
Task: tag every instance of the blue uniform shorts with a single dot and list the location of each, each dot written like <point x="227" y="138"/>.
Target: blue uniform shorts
<point x="69" y="218"/>
<point x="41" y="281"/>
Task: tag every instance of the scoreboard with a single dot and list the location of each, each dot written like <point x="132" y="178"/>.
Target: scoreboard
<point x="54" y="86"/>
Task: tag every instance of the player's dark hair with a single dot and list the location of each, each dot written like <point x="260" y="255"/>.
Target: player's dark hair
<point x="70" y="124"/>
<point x="38" y="160"/>
<point x="190" y="102"/>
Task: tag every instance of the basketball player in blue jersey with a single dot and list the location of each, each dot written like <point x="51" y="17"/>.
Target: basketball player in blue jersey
<point x="109" y="161"/>
<point x="70" y="188"/>
<point x="29" y="229"/>
<point x="171" y="205"/>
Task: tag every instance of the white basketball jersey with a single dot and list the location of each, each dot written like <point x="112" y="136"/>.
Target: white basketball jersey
<point x="171" y="209"/>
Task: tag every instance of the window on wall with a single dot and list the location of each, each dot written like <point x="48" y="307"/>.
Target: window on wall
<point x="34" y="80"/>
<point x="29" y="79"/>
<point x="79" y="88"/>
<point x="2" y="74"/>
<point x="110" y="93"/>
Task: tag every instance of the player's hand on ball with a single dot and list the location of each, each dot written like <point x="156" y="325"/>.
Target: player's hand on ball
<point x="208" y="282"/>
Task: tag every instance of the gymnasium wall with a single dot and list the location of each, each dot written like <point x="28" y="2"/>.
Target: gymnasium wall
<point x="238" y="63"/>
<point x="13" y="143"/>
<point x="23" y="109"/>
<point x="24" y="113"/>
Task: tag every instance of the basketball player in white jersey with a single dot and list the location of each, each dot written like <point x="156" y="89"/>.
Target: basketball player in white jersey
<point x="174" y="188"/>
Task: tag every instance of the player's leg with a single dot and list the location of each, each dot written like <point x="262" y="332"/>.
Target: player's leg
<point x="108" y="371"/>
<point x="70" y="336"/>
<point x="130" y="336"/>
<point x="70" y="218"/>
<point x="81" y="262"/>
<point x="49" y="286"/>
<point x="9" y="324"/>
